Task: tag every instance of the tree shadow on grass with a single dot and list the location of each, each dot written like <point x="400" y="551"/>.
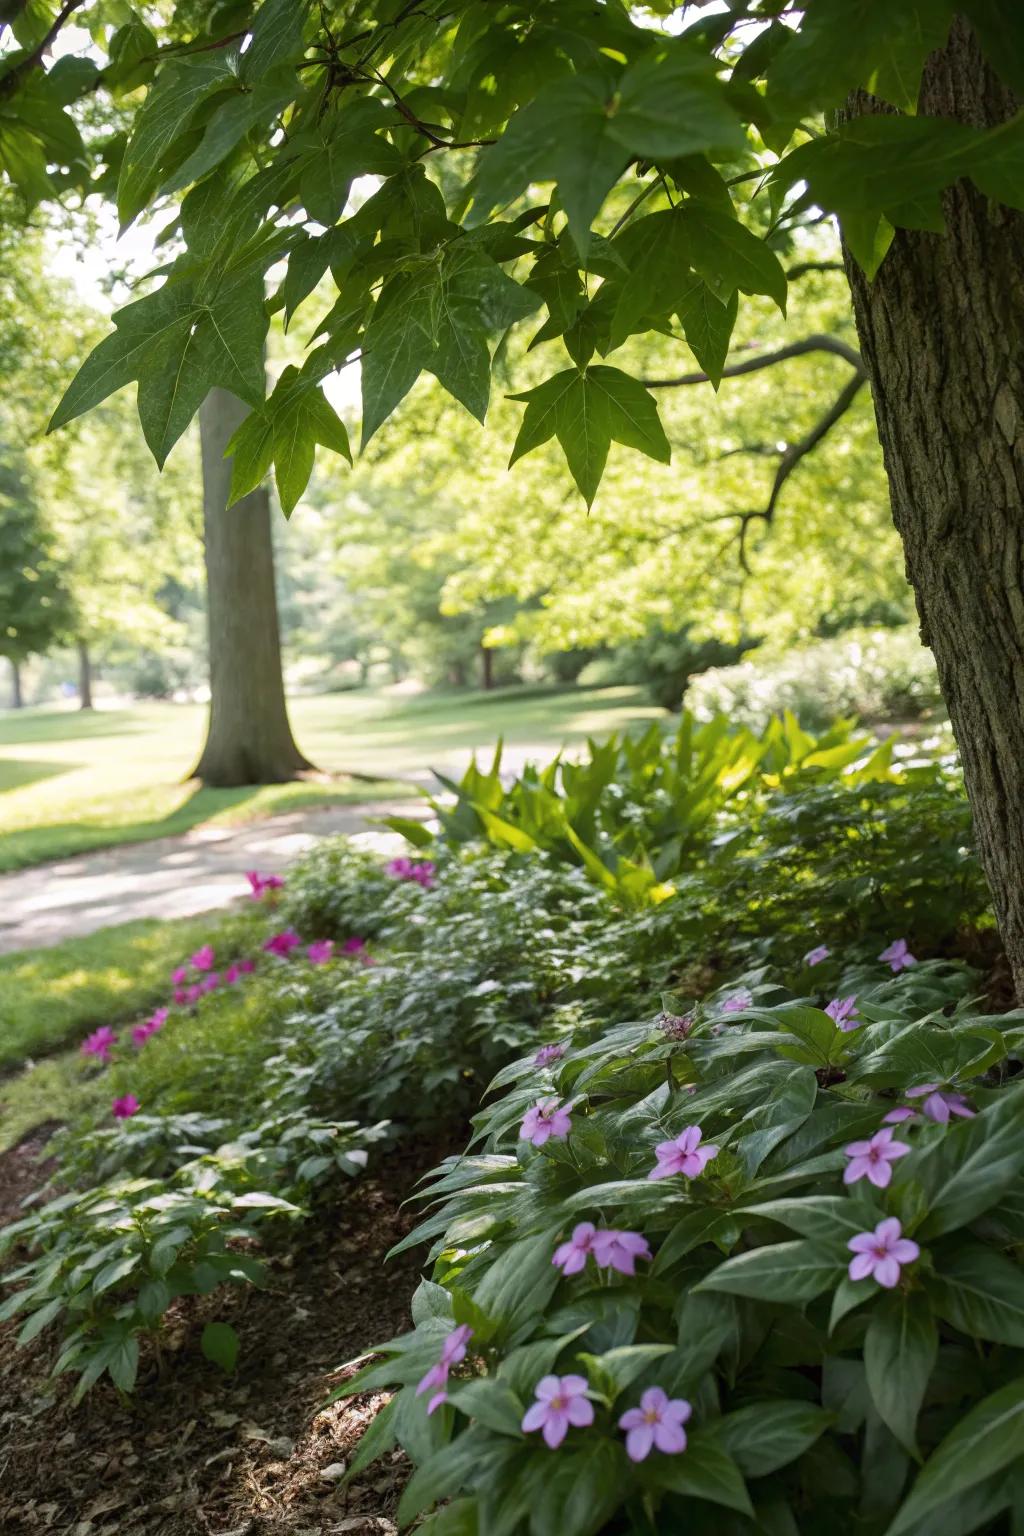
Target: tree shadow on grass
<point x="17" y="772"/>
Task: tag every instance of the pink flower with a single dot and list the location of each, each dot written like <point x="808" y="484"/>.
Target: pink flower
<point x="259" y="884"/>
<point x="98" y="1044"/>
<point x="620" y="1250"/>
<point x="843" y="1010"/>
<point x="140" y="1034"/>
<point x="282" y="943"/>
<point x="816" y="955"/>
<point x="181" y="996"/>
<point x="203" y="958"/>
<point x="898" y="956"/>
<point x="246" y="967"/>
<point x="685" y="1155"/>
<point x="180" y="976"/>
<point x="358" y="948"/>
<point x="547" y="1118"/>
<point x="210" y="983"/>
<point x="547" y="1054"/>
<point x="231" y="975"/>
<point x="940" y="1104"/>
<point x="409" y="869"/>
<point x="571" y="1257"/>
<point x="123" y="1109"/>
<point x="656" y="1424"/>
<point x="873" y="1159"/>
<point x="898" y="1115"/>
<point x="881" y="1252"/>
<point x="561" y="1401"/>
<point x="320" y="952"/>
<point x="737" y="1001"/>
<point x="193" y="994"/>
<point x="452" y="1351"/>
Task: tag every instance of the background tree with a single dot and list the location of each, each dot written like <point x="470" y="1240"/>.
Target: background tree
<point x="35" y="611"/>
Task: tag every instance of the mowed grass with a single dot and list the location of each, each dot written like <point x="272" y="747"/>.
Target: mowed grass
<point x="71" y="782"/>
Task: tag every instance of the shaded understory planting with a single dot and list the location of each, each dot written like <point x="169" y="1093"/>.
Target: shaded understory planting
<point x="734" y="1244"/>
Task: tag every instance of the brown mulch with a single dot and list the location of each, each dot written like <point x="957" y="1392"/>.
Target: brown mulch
<point x="195" y="1453"/>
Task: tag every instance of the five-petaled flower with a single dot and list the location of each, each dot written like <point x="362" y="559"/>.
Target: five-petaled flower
<point x="898" y="956"/>
<point x="124" y="1108"/>
<point x="873" y="1159"/>
<point x="99" y="1043"/>
<point x="737" y="1001"/>
<point x="546" y="1119"/>
<point x="452" y="1351"/>
<point x="843" y="1011"/>
<point x="940" y="1103"/>
<point x="685" y="1155"/>
<point x="657" y="1424"/>
<point x="547" y="1054"/>
<point x="203" y="958"/>
<point x="816" y="955"/>
<point x="881" y="1252"/>
<point x="611" y="1249"/>
<point x="282" y="943"/>
<point x="320" y="952"/>
<point x="561" y="1401"/>
<point x="259" y="884"/>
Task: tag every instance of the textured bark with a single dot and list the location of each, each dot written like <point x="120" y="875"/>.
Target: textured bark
<point x="84" y="676"/>
<point x="942" y="334"/>
<point x="17" y="698"/>
<point x="249" y="739"/>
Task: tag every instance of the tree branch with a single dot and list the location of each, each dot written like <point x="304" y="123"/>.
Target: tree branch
<point x="813" y="343"/>
<point x="794" y="452"/>
<point x="803" y="267"/>
<point x="9" y="82"/>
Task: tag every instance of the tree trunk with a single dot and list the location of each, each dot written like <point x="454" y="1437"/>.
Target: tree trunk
<point x="17" y="698"/>
<point x="942" y="332"/>
<point x="249" y="739"/>
<point x="84" y="676"/>
<point x="486" y="668"/>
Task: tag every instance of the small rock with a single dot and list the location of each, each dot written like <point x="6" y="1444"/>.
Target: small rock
<point x="335" y="1471"/>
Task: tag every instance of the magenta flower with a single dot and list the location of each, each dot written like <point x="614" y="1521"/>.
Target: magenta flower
<point x="898" y="1115"/>
<point x="181" y="996"/>
<point x="231" y="975"/>
<point x="881" y="1252"/>
<point x="657" y="1424"/>
<point x="123" y="1109"/>
<point x="246" y="967"/>
<point x="843" y="1011"/>
<point x="452" y="1351"/>
<point x="873" y="1159"/>
<point x="685" y="1155"/>
<point x="898" y="956"/>
<point x="98" y="1044"/>
<point x="620" y="1250"/>
<point x="180" y="976"/>
<point x="571" y="1257"/>
<point x="939" y="1104"/>
<point x="320" y="952"/>
<point x="816" y="955"/>
<point x="282" y="943"/>
<point x="357" y="947"/>
<point x="140" y="1034"/>
<point x="421" y="871"/>
<point x="561" y="1401"/>
<point x="202" y="960"/>
<point x="259" y="884"/>
<point x="737" y="1001"/>
<point x="547" y="1054"/>
<point x="210" y="983"/>
<point x="546" y="1119"/>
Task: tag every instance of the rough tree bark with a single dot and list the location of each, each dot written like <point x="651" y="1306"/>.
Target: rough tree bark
<point x="942" y="333"/>
<point x="17" y="698"/>
<point x="84" y="676"/>
<point x="249" y="739"/>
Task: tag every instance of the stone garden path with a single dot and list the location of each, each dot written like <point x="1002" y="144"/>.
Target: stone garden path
<point x="171" y="876"/>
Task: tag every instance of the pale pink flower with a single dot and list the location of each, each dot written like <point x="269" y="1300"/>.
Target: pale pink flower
<point x="873" y="1159"/>
<point x="453" y="1350"/>
<point x="736" y="1002"/>
<point x="320" y="952"/>
<point x="684" y="1155"/>
<point x="571" y="1256"/>
<point x="123" y="1109"/>
<point x="816" y="955"/>
<point x="561" y="1401"/>
<point x="547" y="1118"/>
<point x="656" y="1425"/>
<point x="620" y="1250"/>
<point x="939" y="1104"/>
<point x="282" y="943"/>
<point x="898" y="956"/>
<point x="98" y="1044"/>
<point x="547" y="1054"/>
<point x="843" y="1011"/>
<point x="881" y="1252"/>
<point x="898" y="1115"/>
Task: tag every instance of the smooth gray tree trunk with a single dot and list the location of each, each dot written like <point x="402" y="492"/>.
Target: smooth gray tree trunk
<point x="84" y="676"/>
<point x="249" y="738"/>
<point x="17" y="698"/>
<point x="942" y="332"/>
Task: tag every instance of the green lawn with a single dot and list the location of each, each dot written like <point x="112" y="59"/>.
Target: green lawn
<point x="70" y="782"/>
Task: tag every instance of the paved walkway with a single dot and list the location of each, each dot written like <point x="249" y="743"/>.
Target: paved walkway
<point x="172" y="876"/>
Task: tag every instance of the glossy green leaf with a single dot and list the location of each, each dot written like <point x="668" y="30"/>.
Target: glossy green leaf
<point x="900" y="1350"/>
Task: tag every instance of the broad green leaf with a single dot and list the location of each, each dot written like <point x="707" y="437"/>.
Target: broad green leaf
<point x="39" y="1320"/>
<point x="900" y="1350"/>
<point x="766" y="1436"/>
<point x="981" y="1292"/>
<point x="346" y="143"/>
<point x="491" y="1402"/>
<point x="708" y="326"/>
<point x="111" y="1274"/>
<point x="672" y="103"/>
<point x="703" y="1471"/>
<point x="276" y="36"/>
<point x="172" y="101"/>
<point x="785" y="1272"/>
<point x="475" y="300"/>
<point x="227" y="127"/>
<point x="220" y="1344"/>
<point x="729" y="257"/>
<point x="123" y="1362"/>
<point x="989" y="1438"/>
<point x="400" y="342"/>
<point x="971" y="1166"/>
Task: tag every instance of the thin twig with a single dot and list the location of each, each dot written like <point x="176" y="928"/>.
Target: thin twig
<point x="814" y="343"/>
<point x="9" y="82"/>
